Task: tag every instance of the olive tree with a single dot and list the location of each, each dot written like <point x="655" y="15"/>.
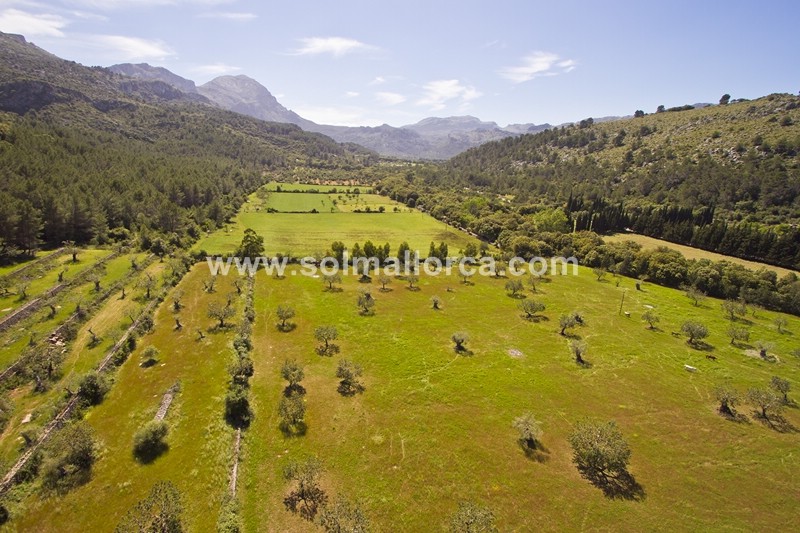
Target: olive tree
<point x="578" y="349"/>
<point x="306" y="497"/>
<point x="284" y="314"/>
<point x="734" y="309"/>
<point x="780" y="322"/>
<point x="531" y="308"/>
<point x="326" y="335"/>
<point x="365" y="302"/>
<point x="696" y="331"/>
<point x="651" y="318"/>
<point x="599" y="450"/>
<point x="472" y="518"/>
<point x="349" y="373"/>
<point x="159" y="511"/>
<point x="148" y="442"/>
<point x="292" y="372"/>
<point x="384" y="280"/>
<point x="332" y="279"/>
<point x="566" y="322"/>
<point x="460" y="339"/>
<point x="529" y="429"/>
<point x="343" y="517"/>
<point x="766" y="400"/>
<point x="727" y="397"/>
<point x="292" y="412"/>
<point x="781" y="386"/>
<point x="514" y="287"/>
<point x="737" y="334"/>
<point x="218" y="311"/>
<point x="694" y="294"/>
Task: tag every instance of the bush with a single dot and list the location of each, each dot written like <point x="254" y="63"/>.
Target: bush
<point x="93" y="388"/>
<point x="69" y="457"/>
<point x="237" y="407"/>
<point x="148" y="442"/>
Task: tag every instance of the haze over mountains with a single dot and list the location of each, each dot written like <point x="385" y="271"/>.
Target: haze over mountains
<point x="431" y="138"/>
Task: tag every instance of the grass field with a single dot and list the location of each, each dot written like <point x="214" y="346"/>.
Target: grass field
<point x="306" y="234"/>
<point x="295" y="202"/>
<point x="433" y="428"/>
<point x="692" y="253"/>
<point x="273" y="186"/>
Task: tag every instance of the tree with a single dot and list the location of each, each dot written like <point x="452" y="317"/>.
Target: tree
<point x="292" y="411"/>
<point x="148" y="283"/>
<point x="307" y="496"/>
<point x="237" y="405"/>
<point x="533" y="280"/>
<point x="252" y="245"/>
<point x="460" y="339"/>
<point x="293" y="373"/>
<point x="365" y="302"/>
<point x="384" y="280"/>
<point x="513" y="287"/>
<point x="780" y="322"/>
<point x="651" y="318"/>
<point x="600" y="273"/>
<point x="210" y="283"/>
<point x="766" y="400"/>
<point x="284" y="313"/>
<point x="738" y="334"/>
<point x="530" y="430"/>
<point x="781" y="386"/>
<point x="218" y="311"/>
<point x="93" y="388"/>
<point x="599" y="450"/>
<point x="578" y="349"/>
<point x="531" y="308"/>
<point x="734" y="309"/>
<point x="724" y="99"/>
<point x="148" y="442"/>
<point x="696" y="331"/>
<point x="638" y="113"/>
<point x="343" y="517"/>
<point x="331" y="279"/>
<point x="764" y="347"/>
<point x="326" y="334"/>
<point x="69" y="457"/>
<point x="566" y="322"/>
<point x="22" y="286"/>
<point x="660" y="109"/>
<point x="694" y="294"/>
<point x="412" y="279"/>
<point x="150" y="356"/>
<point x="71" y="249"/>
<point x="159" y="512"/>
<point x="349" y="373"/>
<point x="727" y="397"/>
<point x="436" y="302"/>
<point x="472" y="518"/>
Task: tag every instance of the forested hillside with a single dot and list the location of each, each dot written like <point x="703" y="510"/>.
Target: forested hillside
<point x="88" y="155"/>
<point x="724" y="178"/>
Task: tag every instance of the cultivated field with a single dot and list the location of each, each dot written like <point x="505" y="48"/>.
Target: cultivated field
<point x="305" y="234"/>
<point x="692" y="253"/>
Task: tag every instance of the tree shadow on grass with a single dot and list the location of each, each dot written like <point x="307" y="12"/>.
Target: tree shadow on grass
<point x="350" y="389"/>
<point x="413" y="289"/>
<point x="777" y="422"/>
<point x="148" y="454"/>
<point x="147" y="363"/>
<point x="534" y="318"/>
<point x="463" y="350"/>
<point x="332" y="289"/>
<point x="286" y="328"/>
<point x="535" y="452"/>
<point x="700" y="346"/>
<point x="294" y="389"/>
<point x="623" y="486"/>
<point x="518" y="296"/>
<point x="293" y="431"/>
<point x="328" y="351"/>
<point x="385" y="289"/>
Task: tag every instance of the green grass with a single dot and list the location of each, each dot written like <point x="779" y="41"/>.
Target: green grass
<point x="273" y="186"/>
<point x="433" y="428"/>
<point x="286" y="202"/>
<point x="688" y="252"/>
<point x="301" y="234"/>
<point x="199" y="440"/>
<point x="361" y="202"/>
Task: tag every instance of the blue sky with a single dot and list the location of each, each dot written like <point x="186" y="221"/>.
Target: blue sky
<point x="373" y="62"/>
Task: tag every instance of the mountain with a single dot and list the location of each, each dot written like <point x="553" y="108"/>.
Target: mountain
<point x="144" y="71"/>
<point x="246" y="96"/>
<point x="431" y="138"/>
<point x="90" y="155"/>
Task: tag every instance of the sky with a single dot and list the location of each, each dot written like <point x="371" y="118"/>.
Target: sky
<point x="366" y="63"/>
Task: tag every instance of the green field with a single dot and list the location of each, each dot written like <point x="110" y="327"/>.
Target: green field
<point x="306" y="234"/>
<point x="295" y="202"/>
<point x="273" y="186"/>
<point x="692" y="253"/>
<point x="433" y="427"/>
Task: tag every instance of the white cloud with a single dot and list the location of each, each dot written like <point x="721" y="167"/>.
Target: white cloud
<point x="538" y="64"/>
<point x="352" y="94"/>
<point x="215" y="69"/>
<point x="336" y="46"/>
<point x="123" y="48"/>
<point x="28" y="24"/>
<point x="378" y="80"/>
<point x="388" y="98"/>
<point x="439" y="93"/>
<point x="234" y="16"/>
<point x="123" y="4"/>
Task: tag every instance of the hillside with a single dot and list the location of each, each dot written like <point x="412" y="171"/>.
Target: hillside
<point x="87" y="154"/>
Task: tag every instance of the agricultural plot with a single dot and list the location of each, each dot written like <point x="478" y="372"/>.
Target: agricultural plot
<point x="433" y="427"/>
<point x="198" y="440"/>
<point x="307" y="234"/>
<point x="285" y="202"/>
<point x="308" y="187"/>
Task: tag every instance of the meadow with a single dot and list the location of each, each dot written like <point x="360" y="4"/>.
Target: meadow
<point x="300" y="234"/>
<point x="692" y="253"/>
<point x="433" y="426"/>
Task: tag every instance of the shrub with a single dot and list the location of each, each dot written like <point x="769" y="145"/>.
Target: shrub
<point x="148" y="442"/>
